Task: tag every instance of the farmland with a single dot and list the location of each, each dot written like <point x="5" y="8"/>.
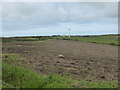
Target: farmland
<point x="34" y="62"/>
<point x="100" y="39"/>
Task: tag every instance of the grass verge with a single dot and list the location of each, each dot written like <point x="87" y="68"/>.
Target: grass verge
<point x="18" y="77"/>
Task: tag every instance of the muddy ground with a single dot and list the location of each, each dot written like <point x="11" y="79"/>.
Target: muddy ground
<point x="82" y="60"/>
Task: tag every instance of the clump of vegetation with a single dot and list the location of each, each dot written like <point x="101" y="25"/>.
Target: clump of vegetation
<point x="11" y="56"/>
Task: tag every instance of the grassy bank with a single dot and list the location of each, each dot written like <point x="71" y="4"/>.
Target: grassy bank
<point x="108" y="39"/>
<point x="19" y="77"/>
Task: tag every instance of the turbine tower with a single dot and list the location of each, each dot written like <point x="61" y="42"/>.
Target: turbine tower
<point x="69" y="23"/>
<point x="69" y="31"/>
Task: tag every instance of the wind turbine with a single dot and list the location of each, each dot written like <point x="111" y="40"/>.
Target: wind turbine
<point x="69" y="22"/>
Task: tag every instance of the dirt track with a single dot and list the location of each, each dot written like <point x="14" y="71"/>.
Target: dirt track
<point x="82" y="60"/>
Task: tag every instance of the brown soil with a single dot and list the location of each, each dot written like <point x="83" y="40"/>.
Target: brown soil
<point x="82" y="60"/>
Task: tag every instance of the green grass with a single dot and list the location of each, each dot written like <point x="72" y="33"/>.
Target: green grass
<point x="13" y="59"/>
<point x="19" y="77"/>
<point x="11" y="56"/>
<point x="110" y="40"/>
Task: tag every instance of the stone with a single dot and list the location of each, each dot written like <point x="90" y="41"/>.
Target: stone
<point x="19" y="45"/>
<point x="61" y="56"/>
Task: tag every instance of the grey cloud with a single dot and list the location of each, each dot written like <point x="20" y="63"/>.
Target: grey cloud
<point x="62" y="10"/>
<point x="24" y="15"/>
<point x="108" y="9"/>
<point x="111" y="10"/>
<point x="26" y="8"/>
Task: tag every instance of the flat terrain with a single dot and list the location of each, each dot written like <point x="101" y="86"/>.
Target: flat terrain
<point x="82" y="60"/>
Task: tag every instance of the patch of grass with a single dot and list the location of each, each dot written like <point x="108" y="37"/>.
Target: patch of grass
<point x="13" y="59"/>
<point x="97" y="84"/>
<point x="19" y="77"/>
<point x="11" y="56"/>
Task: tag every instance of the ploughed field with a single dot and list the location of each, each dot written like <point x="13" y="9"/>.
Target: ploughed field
<point x="82" y="60"/>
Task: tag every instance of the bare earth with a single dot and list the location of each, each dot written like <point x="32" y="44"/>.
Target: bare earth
<point x="82" y="60"/>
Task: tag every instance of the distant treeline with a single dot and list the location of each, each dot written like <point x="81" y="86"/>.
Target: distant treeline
<point x="45" y="37"/>
<point x="85" y="35"/>
<point x="27" y="38"/>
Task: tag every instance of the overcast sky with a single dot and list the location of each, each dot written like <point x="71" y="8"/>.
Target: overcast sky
<point x="49" y="18"/>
